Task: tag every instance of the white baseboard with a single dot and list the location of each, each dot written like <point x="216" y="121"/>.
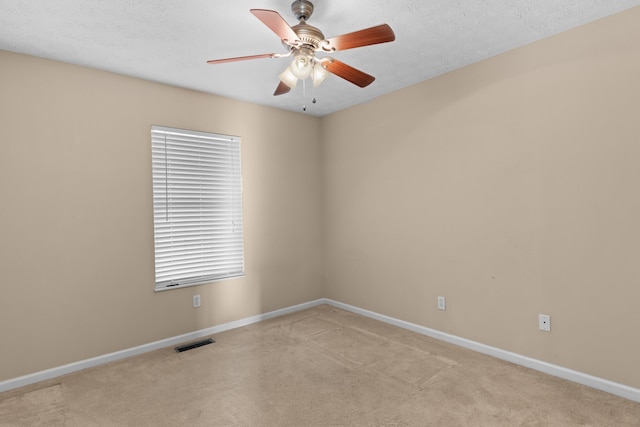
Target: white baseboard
<point x="538" y="365"/>
<point x="621" y="390"/>
<point x="134" y="351"/>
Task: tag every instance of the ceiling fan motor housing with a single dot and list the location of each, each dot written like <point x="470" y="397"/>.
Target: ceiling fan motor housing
<point x="308" y="35"/>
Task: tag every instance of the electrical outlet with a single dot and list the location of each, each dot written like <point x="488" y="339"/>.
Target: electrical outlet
<point x="196" y="300"/>
<point x="442" y="303"/>
<point x="544" y="322"/>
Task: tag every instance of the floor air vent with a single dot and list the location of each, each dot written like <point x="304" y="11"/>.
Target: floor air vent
<point x="196" y="344"/>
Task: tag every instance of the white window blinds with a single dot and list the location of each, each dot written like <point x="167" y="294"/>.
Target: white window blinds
<point x="197" y="207"/>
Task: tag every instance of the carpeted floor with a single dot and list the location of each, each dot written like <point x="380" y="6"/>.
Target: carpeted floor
<point x="318" y="367"/>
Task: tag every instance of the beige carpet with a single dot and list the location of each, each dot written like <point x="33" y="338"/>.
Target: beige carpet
<point x="318" y="367"/>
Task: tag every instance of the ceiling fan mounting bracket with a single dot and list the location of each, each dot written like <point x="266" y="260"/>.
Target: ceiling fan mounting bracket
<point x="302" y="9"/>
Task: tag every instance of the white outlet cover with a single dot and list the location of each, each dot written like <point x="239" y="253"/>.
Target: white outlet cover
<point x="544" y="322"/>
<point x="196" y="300"/>
<point x="442" y="303"/>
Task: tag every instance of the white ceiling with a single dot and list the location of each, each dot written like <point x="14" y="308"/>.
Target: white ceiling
<point x="169" y="41"/>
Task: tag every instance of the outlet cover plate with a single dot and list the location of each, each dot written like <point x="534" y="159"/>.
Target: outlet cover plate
<point x="544" y="322"/>
<point x="442" y="303"/>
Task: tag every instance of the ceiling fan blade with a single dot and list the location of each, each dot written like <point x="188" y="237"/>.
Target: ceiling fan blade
<point x="281" y="89"/>
<point x="242" y="58"/>
<point x="347" y="72"/>
<point x="374" y="35"/>
<point x="277" y="24"/>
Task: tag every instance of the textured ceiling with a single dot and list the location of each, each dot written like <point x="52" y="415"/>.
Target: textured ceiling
<point x="169" y="41"/>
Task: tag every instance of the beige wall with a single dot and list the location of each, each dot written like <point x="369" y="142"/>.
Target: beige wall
<point x="511" y="188"/>
<point x="76" y="221"/>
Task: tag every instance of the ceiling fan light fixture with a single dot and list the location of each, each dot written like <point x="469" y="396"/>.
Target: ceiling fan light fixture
<point x="304" y="40"/>
<point x="288" y="78"/>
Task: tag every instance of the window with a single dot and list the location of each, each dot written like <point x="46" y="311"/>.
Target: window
<point x="197" y="207"/>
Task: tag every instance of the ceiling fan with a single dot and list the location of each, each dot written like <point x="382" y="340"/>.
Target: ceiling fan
<point x="302" y="41"/>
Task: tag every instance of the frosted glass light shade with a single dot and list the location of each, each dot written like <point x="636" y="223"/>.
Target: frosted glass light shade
<point x="319" y="74"/>
<point x="288" y="78"/>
